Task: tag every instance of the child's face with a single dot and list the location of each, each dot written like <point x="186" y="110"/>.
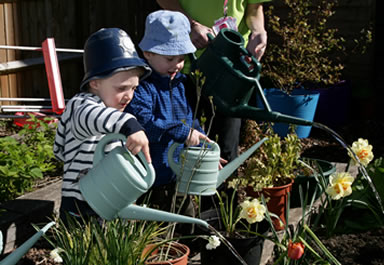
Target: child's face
<point x="117" y="90"/>
<point x="165" y="65"/>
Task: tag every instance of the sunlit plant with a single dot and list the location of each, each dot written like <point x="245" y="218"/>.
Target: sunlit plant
<point x="340" y="185"/>
<point x="363" y="150"/>
<point x="345" y="191"/>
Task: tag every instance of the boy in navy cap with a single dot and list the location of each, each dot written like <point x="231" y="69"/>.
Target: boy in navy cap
<point x="112" y="72"/>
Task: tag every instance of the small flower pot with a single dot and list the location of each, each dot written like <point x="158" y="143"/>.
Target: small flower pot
<point x="177" y="255"/>
<point x="277" y="202"/>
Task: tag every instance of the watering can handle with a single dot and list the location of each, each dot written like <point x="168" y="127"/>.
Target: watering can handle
<point x="175" y="166"/>
<point x="210" y="37"/>
<point x="252" y="65"/>
<point x="100" y="154"/>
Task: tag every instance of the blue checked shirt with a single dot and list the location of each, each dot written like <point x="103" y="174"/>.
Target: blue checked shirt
<point x="161" y="107"/>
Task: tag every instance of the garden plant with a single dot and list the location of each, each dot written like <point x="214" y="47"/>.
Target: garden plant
<point x="26" y="157"/>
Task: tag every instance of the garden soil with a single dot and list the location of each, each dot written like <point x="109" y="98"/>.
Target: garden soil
<point x="365" y="248"/>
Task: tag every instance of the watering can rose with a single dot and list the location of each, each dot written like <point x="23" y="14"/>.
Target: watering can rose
<point x="363" y="150"/>
<point x="295" y="250"/>
<point x="253" y="211"/>
<point x="340" y="185"/>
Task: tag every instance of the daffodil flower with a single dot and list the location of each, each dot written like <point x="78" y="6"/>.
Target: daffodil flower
<point x="363" y="151"/>
<point x="213" y="242"/>
<point x="340" y="185"/>
<point x="253" y="211"/>
<point x="54" y="254"/>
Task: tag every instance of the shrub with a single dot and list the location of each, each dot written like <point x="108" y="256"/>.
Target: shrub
<point x="26" y="157"/>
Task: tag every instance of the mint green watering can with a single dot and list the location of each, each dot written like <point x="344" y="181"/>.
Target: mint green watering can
<point x="232" y="75"/>
<point x="198" y="167"/>
<point x="117" y="180"/>
<point x="17" y="254"/>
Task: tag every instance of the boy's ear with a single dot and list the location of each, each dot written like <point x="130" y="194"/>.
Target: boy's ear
<point x="147" y="54"/>
<point x="93" y="84"/>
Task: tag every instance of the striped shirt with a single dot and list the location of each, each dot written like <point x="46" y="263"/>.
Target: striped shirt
<point x="84" y="122"/>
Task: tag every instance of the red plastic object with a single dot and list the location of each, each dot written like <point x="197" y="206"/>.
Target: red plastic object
<point x="53" y="75"/>
<point x="23" y="121"/>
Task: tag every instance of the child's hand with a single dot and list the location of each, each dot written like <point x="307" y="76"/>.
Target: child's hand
<point x="137" y="142"/>
<point x="222" y="163"/>
<point x="194" y="138"/>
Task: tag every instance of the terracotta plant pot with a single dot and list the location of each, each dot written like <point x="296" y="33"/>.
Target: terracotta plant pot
<point x="177" y="255"/>
<point x="277" y="201"/>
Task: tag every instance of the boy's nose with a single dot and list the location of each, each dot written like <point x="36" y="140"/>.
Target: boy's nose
<point x="129" y="94"/>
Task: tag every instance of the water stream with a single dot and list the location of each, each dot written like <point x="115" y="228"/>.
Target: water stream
<point x="228" y="244"/>
<point x="361" y="168"/>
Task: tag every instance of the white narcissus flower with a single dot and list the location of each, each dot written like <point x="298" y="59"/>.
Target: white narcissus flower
<point x="55" y="255"/>
<point x="253" y="211"/>
<point x="213" y="242"/>
<point x="363" y="150"/>
<point x="340" y="185"/>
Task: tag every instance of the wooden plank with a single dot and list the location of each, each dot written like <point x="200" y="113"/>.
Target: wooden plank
<point x="19" y="65"/>
<point x="3" y="54"/>
<point x="10" y="38"/>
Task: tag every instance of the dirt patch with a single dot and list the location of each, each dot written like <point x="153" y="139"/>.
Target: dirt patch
<point x="358" y="249"/>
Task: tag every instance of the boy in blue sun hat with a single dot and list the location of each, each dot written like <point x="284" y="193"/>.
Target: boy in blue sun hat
<point x="112" y="73"/>
<point x="160" y="104"/>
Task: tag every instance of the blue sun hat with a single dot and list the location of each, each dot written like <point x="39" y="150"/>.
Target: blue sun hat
<point x="167" y="33"/>
<point x="108" y="51"/>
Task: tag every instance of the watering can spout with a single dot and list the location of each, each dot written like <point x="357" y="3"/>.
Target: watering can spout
<point x="141" y="213"/>
<point x="249" y="112"/>
<point x="226" y="171"/>
<point x="16" y="255"/>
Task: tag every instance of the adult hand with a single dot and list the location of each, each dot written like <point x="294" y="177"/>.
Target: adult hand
<point x="257" y="43"/>
<point x="137" y="142"/>
<point x="199" y="33"/>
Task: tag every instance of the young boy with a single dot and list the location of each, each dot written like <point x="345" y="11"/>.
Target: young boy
<point x="112" y="72"/>
<point x="159" y="103"/>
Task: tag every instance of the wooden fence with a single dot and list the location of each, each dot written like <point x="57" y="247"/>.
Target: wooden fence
<point x="70" y="22"/>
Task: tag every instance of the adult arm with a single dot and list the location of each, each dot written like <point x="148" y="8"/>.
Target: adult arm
<point x="257" y="41"/>
<point x="198" y="31"/>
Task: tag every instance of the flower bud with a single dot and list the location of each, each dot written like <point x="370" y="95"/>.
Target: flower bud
<point x="295" y="250"/>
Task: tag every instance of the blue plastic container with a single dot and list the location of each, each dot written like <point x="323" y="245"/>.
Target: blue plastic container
<point x="300" y="103"/>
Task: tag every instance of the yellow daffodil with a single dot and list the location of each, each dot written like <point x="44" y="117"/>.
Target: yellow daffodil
<point x="363" y="150"/>
<point x="253" y="211"/>
<point x="340" y="185"/>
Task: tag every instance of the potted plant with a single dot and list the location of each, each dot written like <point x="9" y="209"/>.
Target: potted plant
<point x="271" y="170"/>
<point x="307" y="177"/>
<point x="94" y="241"/>
<point x="304" y="52"/>
<point x="240" y="220"/>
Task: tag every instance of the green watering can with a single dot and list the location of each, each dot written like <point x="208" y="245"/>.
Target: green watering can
<point x="17" y="254"/>
<point x="198" y="167"/>
<point x="232" y="74"/>
<point x="117" y="180"/>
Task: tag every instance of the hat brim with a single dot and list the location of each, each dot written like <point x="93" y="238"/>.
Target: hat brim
<point x="169" y="48"/>
<point x="87" y="79"/>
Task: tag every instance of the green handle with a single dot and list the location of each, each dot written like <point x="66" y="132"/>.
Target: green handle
<point x="100" y="154"/>
<point x="176" y="166"/>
